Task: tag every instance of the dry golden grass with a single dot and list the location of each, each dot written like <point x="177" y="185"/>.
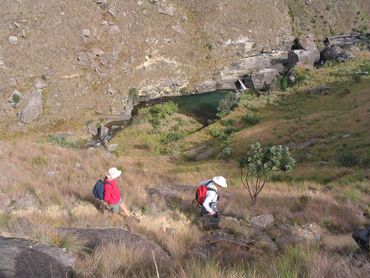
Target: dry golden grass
<point x="172" y="230"/>
<point x="115" y="260"/>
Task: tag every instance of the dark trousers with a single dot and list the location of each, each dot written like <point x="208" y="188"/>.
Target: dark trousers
<point x="208" y="220"/>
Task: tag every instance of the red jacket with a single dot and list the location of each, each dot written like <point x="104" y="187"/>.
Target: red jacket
<point x="111" y="192"/>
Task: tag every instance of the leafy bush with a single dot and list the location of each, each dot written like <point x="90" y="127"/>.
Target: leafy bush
<point x="347" y="160"/>
<point x="171" y="137"/>
<point x="227" y="104"/>
<point x="282" y="82"/>
<point x="250" y="119"/>
<point x="230" y="130"/>
<point x="133" y="94"/>
<point x="216" y="132"/>
<point x="16" y="98"/>
<point x="228" y="122"/>
<point x="299" y="77"/>
<point x="226" y="153"/>
<point x="156" y="113"/>
<point x="260" y="163"/>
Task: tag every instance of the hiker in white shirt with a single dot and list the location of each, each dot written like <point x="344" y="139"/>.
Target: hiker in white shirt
<point x="209" y="205"/>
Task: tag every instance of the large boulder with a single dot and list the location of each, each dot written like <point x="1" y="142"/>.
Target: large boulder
<point x="306" y="42"/>
<point x="33" y="108"/>
<point x="302" y="58"/>
<point x="304" y="51"/>
<point x="335" y="53"/>
<point x="24" y="258"/>
<point x="262" y="79"/>
<point x="290" y="235"/>
<point x="262" y="221"/>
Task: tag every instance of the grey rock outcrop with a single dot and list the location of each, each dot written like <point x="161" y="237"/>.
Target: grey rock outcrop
<point x="304" y="52"/>
<point x="348" y="40"/>
<point x="262" y="221"/>
<point x="93" y="130"/>
<point x="24" y="258"/>
<point x="290" y="235"/>
<point x="33" y="108"/>
<point x="262" y="79"/>
<point x="167" y="10"/>
<point x="228" y="78"/>
<point x="301" y="58"/>
<point x="336" y="53"/>
<point x="199" y="153"/>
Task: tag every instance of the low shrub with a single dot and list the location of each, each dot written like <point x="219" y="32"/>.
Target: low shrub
<point x="227" y="104"/>
<point x="62" y="141"/>
<point x="226" y="153"/>
<point x="134" y="95"/>
<point x="158" y="112"/>
<point x="250" y="119"/>
<point x="228" y="122"/>
<point x="282" y="82"/>
<point x="347" y="160"/>
<point x="171" y="137"/>
<point x="216" y="132"/>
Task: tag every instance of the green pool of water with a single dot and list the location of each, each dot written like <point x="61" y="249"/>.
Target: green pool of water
<point x="202" y="107"/>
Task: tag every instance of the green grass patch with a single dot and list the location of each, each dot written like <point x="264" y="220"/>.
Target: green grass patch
<point x="63" y="142"/>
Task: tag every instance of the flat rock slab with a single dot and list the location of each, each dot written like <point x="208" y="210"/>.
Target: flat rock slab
<point x="94" y="237"/>
<point x="262" y="221"/>
<point x="225" y="247"/>
<point x="25" y="258"/>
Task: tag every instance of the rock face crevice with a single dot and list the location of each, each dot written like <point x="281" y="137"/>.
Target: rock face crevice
<point x="24" y="258"/>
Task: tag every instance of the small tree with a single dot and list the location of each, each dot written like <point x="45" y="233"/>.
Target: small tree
<point x="260" y="163"/>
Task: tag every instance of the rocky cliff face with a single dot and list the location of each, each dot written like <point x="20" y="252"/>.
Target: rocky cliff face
<point x="88" y="54"/>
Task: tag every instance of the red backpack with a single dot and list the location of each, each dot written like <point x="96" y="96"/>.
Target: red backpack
<point x="201" y="192"/>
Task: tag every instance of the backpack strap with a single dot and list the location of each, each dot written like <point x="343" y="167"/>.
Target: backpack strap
<point x="105" y="181"/>
<point x="214" y="190"/>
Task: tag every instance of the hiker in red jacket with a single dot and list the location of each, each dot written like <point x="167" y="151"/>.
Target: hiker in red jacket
<point x="111" y="192"/>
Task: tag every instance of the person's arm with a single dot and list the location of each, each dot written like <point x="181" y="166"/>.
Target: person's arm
<point x="209" y="198"/>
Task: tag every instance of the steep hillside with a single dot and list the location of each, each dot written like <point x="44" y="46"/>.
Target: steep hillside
<point x="90" y="55"/>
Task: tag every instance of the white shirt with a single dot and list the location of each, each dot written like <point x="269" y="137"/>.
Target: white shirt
<point x="211" y="196"/>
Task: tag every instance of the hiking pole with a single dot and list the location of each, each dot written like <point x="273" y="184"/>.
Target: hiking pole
<point x="155" y="264"/>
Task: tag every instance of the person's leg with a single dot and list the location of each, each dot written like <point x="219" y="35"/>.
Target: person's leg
<point x="125" y="209"/>
<point x="115" y="208"/>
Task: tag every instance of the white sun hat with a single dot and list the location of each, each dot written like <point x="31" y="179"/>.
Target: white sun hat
<point x="220" y="180"/>
<point x="113" y="173"/>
